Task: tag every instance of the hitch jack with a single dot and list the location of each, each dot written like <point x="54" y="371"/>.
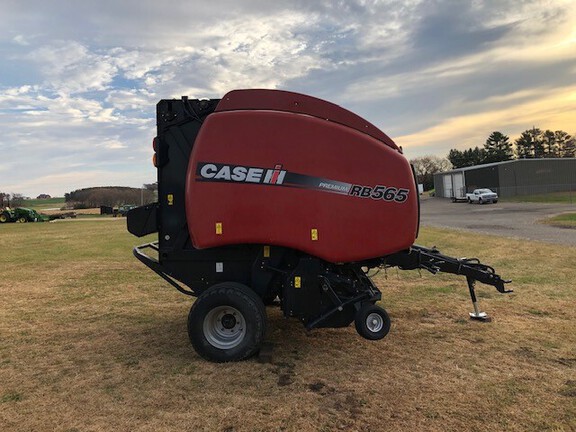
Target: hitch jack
<point x="476" y="315"/>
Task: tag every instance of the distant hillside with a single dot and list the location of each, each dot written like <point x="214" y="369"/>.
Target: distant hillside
<point x="108" y="196"/>
<point x="43" y="204"/>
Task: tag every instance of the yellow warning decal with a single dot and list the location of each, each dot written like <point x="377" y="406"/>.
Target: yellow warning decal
<point x="314" y="234"/>
<point x="266" y="251"/>
<point x="297" y="282"/>
<point x="218" y="228"/>
<point x="170" y="198"/>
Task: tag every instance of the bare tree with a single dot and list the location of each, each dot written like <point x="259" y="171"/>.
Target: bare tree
<point x="427" y="166"/>
<point x="17" y="200"/>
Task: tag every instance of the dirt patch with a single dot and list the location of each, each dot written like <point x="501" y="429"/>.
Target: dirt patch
<point x="285" y="372"/>
<point x="491" y="227"/>
<point x="90" y="211"/>
<point x="88" y="219"/>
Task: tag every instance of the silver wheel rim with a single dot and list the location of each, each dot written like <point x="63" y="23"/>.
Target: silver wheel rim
<point x="374" y="322"/>
<point x="224" y="327"/>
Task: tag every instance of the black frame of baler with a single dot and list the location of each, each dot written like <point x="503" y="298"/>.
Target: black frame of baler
<point x="155" y="265"/>
<point x="371" y="294"/>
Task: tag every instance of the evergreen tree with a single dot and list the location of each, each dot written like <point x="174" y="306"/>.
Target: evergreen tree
<point x="550" y="146"/>
<point x="530" y="144"/>
<point x="467" y="158"/>
<point x="476" y="156"/>
<point x="569" y="149"/>
<point x="537" y="142"/>
<point x="498" y="148"/>
<point x="456" y="158"/>
<point x="566" y="144"/>
<point x="524" y="146"/>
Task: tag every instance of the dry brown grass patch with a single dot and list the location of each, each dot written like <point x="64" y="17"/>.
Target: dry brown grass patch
<point x="92" y="341"/>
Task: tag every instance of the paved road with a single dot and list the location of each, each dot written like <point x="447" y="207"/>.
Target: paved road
<point x="519" y="220"/>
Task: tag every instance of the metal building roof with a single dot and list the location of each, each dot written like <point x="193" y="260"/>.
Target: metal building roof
<point x="503" y="163"/>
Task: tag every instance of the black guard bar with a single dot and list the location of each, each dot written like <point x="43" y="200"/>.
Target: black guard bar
<point x="155" y="266"/>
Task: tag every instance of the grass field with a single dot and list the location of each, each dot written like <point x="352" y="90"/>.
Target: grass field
<point x="42" y="204"/>
<point x="554" y="197"/>
<point x="52" y="206"/>
<point x="565" y="220"/>
<point x="91" y="340"/>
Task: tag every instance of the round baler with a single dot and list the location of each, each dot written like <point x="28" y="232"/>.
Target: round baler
<point x="268" y="195"/>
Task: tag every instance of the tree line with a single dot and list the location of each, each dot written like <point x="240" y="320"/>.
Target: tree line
<point x="11" y="200"/>
<point x="110" y="196"/>
<point x="94" y="197"/>
<point x="532" y="143"/>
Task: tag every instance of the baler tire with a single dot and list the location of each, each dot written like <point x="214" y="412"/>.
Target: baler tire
<point x="372" y="322"/>
<point x="237" y="338"/>
<point x="22" y="220"/>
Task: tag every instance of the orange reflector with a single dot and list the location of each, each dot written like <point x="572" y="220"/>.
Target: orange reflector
<point x="154" y="160"/>
<point x="314" y="234"/>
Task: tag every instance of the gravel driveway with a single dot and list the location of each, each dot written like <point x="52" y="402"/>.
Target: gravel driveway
<point x="519" y="220"/>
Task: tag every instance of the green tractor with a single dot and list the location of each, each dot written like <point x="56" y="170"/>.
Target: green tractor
<point x="28" y="215"/>
<point x="22" y="215"/>
<point x="7" y="215"/>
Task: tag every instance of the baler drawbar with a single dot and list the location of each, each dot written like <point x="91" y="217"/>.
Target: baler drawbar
<point x="271" y="197"/>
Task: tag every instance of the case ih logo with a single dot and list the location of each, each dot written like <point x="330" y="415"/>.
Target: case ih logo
<point x="215" y="172"/>
<point x="239" y="173"/>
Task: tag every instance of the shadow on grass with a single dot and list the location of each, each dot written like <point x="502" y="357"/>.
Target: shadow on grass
<point x="165" y="338"/>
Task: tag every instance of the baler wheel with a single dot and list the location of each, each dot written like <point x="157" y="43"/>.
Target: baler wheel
<point x="372" y="322"/>
<point x="22" y="220"/>
<point x="227" y="323"/>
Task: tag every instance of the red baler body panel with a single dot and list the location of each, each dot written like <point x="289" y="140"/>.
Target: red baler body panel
<point x="285" y="101"/>
<point x="285" y="178"/>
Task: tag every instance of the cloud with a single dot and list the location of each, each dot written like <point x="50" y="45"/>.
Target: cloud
<point x="70" y="67"/>
<point x="21" y="40"/>
<point x="537" y="107"/>
<point x="80" y="81"/>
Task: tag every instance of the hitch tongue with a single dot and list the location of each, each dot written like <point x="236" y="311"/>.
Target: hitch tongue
<point x="476" y="315"/>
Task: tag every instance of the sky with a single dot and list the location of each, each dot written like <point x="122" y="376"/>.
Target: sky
<point x="79" y="79"/>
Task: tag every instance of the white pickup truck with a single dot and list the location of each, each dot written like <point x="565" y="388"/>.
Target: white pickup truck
<point x="481" y="196"/>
